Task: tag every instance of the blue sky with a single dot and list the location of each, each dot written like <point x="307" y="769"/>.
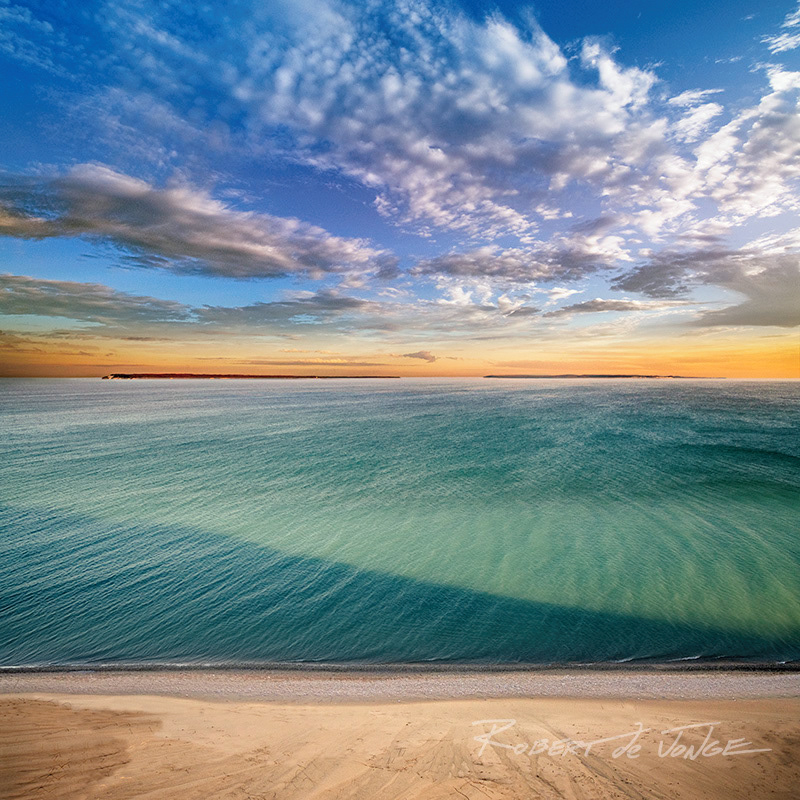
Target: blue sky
<point x="485" y="185"/>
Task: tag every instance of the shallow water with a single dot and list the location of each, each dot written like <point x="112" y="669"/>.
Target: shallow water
<point x="396" y="521"/>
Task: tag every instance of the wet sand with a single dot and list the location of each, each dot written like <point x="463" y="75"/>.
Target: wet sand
<point x="207" y="734"/>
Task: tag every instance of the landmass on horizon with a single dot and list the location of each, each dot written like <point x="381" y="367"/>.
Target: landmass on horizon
<point x="125" y="376"/>
<point x="235" y="376"/>
<point x="574" y="375"/>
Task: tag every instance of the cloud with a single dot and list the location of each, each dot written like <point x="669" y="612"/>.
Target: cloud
<point x="790" y="38"/>
<point x="599" y="305"/>
<point x="19" y="32"/>
<point x="455" y="123"/>
<point x="306" y="308"/>
<point x="476" y="126"/>
<point x="692" y="97"/>
<point x="85" y="302"/>
<point x="750" y="166"/>
<point x="119" y="315"/>
<point x="530" y="170"/>
<point x="424" y="355"/>
<point x="671" y="273"/>
<point x="516" y="265"/>
<point x="584" y="249"/>
<point x="695" y="122"/>
<point x="558" y="293"/>
<point x="772" y="295"/>
<point x="140" y="318"/>
<point x="100" y="311"/>
<point x="178" y="228"/>
<point x="13" y="342"/>
<point x="698" y="115"/>
<point x="768" y="278"/>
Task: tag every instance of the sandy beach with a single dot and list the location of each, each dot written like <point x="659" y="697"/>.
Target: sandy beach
<point x="208" y="734"/>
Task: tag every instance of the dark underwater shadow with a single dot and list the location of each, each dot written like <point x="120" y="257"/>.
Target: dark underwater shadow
<point x="77" y="589"/>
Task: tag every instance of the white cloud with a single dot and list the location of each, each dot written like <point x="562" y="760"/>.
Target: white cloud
<point x="558" y="293"/>
<point x="27" y="39"/>
<point x="751" y="165"/>
<point x="476" y="127"/>
<point x="695" y="122"/>
<point x="692" y="97"/>
<point x="479" y="127"/>
<point x="453" y="123"/>
<point x="789" y="39"/>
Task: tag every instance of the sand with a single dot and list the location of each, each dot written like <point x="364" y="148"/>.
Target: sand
<point x="273" y="735"/>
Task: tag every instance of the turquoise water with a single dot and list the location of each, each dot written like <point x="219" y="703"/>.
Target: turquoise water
<point x="398" y="521"/>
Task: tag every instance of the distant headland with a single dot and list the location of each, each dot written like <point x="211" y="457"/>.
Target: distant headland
<point x="128" y="376"/>
<point x="134" y="376"/>
<point x="570" y="375"/>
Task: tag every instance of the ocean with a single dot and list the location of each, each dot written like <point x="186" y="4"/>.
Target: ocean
<point x="398" y="521"/>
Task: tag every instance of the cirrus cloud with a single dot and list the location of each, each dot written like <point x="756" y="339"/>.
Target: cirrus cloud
<point x="789" y="38"/>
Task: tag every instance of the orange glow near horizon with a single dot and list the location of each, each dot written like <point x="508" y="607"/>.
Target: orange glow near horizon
<point x="744" y="357"/>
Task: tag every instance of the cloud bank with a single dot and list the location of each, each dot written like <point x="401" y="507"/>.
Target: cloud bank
<point x="510" y="167"/>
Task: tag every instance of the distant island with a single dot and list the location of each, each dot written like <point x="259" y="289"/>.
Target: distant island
<point x="134" y="376"/>
<point x="586" y="376"/>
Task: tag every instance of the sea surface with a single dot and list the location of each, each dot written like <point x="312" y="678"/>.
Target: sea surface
<point x="397" y="521"/>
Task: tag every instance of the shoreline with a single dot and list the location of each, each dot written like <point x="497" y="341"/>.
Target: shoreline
<point x="326" y="686"/>
<point x="678" y="666"/>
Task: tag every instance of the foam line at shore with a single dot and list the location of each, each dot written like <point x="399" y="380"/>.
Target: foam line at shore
<point x="626" y="665"/>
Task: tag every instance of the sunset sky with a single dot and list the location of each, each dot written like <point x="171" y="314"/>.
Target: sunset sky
<point x="402" y="188"/>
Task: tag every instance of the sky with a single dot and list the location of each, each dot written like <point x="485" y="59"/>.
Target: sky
<point x="400" y="187"/>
